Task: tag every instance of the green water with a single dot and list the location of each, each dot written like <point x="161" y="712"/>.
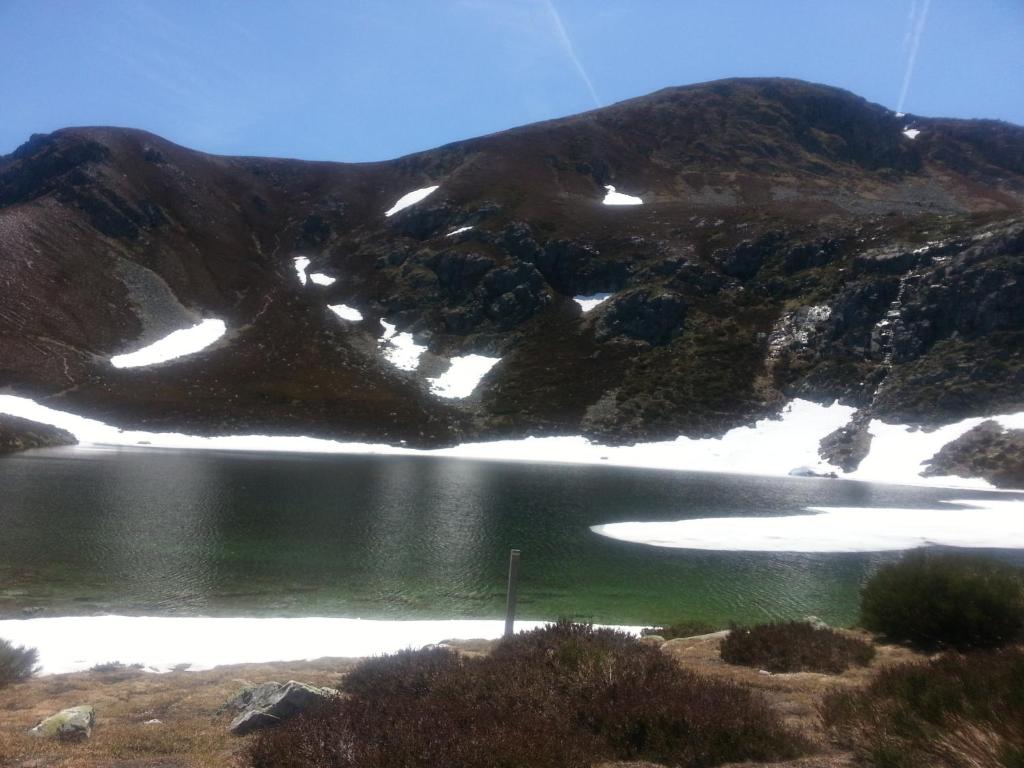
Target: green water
<point x="203" y="533"/>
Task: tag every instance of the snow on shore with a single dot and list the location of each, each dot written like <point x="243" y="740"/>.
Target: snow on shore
<point x="771" y="447"/>
<point x="76" y="643"/>
<point x="186" y="341"/>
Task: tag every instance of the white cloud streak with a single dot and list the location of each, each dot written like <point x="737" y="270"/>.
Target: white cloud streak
<point x="916" y="23"/>
<point x="569" y="49"/>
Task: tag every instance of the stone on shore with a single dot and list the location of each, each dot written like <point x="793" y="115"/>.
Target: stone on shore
<point x="72" y="724"/>
<point x="268" y="704"/>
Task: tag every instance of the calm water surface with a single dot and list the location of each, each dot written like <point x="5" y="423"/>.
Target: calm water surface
<point x="197" y="532"/>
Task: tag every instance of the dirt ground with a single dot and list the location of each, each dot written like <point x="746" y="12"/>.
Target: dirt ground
<point x="192" y="732"/>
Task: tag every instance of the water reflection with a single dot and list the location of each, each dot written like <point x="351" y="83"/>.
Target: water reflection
<point x="168" y="531"/>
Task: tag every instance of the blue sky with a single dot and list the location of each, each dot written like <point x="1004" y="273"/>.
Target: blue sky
<point x="361" y="80"/>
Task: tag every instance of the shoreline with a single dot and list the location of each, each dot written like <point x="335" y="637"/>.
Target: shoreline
<point x="771" y="447"/>
<point x="165" y="643"/>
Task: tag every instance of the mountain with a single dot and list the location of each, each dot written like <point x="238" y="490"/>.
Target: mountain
<point x="793" y="240"/>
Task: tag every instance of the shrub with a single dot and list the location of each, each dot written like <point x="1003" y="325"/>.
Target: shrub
<point x="935" y="600"/>
<point x="566" y="695"/>
<point x="954" y="712"/>
<point x="16" y="663"/>
<point x="685" y="628"/>
<point x="794" y="647"/>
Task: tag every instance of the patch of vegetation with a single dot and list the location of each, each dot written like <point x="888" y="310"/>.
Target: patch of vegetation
<point x="684" y="628"/>
<point x="17" y="664"/>
<point x="936" y="600"/>
<point x="953" y="712"/>
<point x="794" y="646"/>
<point x="563" y="696"/>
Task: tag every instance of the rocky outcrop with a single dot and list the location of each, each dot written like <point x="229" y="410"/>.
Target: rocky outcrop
<point x="21" y="435"/>
<point x="72" y="724"/>
<point x="988" y="451"/>
<point x="849" y="445"/>
<point x="268" y="704"/>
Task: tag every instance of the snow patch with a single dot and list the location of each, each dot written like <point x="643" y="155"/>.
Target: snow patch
<point x="587" y="303"/>
<point x="463" y="376"/>
<point x="345" y="312"/>
<point x="898" y="452"/>
<point x="301" y="265"/>
<point x="389" y="330"/>
<point x="911" y="133"/>
<point x="617" y="198"/>
<point x="997" y="524"/>
<point x="186" y="341"/>
<point x="77" y="643"/>
<point x="410" y="198"/>
<point x="458" y="231"/>
<point x="321" y="279"/>
<point x="401" y="350"/>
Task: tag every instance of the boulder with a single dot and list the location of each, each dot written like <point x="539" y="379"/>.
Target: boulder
<point x="72" y="724"/>
<point x="271" y="703"/>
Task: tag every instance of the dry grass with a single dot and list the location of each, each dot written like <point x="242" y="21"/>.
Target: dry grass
<point x="194" y="730"/>
<point x="192" y="734"/>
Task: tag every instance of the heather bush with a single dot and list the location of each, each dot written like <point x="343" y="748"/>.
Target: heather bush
<point x="954" y="712"/>
<point x="934" y="600"/>
<point x="794" y="647"/>
<point x="566" y="695"/>
<point x="16" y="663"/>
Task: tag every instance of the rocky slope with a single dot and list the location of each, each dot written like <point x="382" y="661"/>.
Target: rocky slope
<point x="794" y="240"/>
<point x="21" y="435"/>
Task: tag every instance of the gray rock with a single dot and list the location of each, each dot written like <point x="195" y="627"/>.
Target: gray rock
<point x="72" y="724"/>
<point x="271" y="703"/>
<point x="815" y="622"/>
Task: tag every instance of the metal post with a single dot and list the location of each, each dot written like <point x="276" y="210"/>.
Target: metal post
<point x="513" y="583"/>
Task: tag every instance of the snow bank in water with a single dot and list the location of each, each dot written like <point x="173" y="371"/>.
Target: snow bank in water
<point x="72" y="644"/>
<point x="463" y="376"/>
<point x="408" y="199"/>
<point x="617" y="198"/>
<point x="587" y="303"/>
<point x="998" y="524"/>
<point x="345" y="312"/>
<point x="187" y="341"/>
<point x="301" y="265"/>
<point x="321" y="279"/>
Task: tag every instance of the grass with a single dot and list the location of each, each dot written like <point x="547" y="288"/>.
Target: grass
<point x="946" y="600"/>
<point x="958" y="711"/>
<point x="794" y="647"/>
<point x="17" y="664"/>
<point x="566" y="695"/>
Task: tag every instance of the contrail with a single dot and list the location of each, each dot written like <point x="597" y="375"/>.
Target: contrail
<point x="570" y="49"/>
<point x="917" y="22"/>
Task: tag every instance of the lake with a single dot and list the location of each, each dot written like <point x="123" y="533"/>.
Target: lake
<point x="163" y="532"/>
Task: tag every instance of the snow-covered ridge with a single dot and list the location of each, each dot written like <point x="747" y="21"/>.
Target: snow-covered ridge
<point x="161" y="643"/>
<point x="462" y="378"/>
<point x="186" y="341"/>
<point x="618" y="198"/>
<point x="410" y="198"/>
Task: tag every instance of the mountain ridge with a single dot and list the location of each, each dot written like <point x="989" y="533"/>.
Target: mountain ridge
<point x="782" y="224"/>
